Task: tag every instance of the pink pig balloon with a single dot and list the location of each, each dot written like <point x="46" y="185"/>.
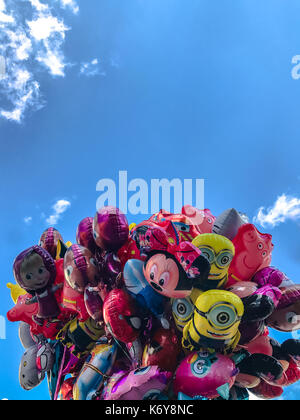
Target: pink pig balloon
<point x="253" y="251"/>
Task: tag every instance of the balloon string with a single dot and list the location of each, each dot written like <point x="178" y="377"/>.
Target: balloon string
<point x="60" y="374"/>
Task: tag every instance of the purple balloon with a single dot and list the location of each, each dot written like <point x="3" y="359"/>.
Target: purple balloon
<point x="269" y="276"/>
<point x="110" y="229"/>
<point x="84" y="234"/>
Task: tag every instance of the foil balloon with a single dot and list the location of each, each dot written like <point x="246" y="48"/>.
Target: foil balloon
<point x="121" y="316"/>
<point x="219" y="251"/>
<point x="253" y="251"/>
<point x="172" y="268"/>
<point x="270" y="276"/>
<point x="49" y="241"/>
<point x="215" y="322"/>
<point x="183" y="309"/>
<point x="84" y="234"/>
<point x="81" y="268"/>
<point x="285" y="317"/>
<point x="110" y="229"/>
<point x="162" y="350"/>
<point x="94" y="372"/>
<point x="202" y="219"/>
<point x="141" y="384"/>
<point x="35" y="271"/>
<point x="138" y="287"/>
<point x="205" y="374"/>
<point x="228" y="223"/>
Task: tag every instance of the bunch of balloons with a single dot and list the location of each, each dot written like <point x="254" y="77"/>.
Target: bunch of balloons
<point x="176" y="307"/>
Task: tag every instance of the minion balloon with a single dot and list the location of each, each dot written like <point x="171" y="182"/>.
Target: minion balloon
<point x="219" y="251"/>
<point x="215" y="322"/>
<point x="183" y="309"/>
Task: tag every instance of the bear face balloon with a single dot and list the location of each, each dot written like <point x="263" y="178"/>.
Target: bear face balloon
<point x="253" y="251"/>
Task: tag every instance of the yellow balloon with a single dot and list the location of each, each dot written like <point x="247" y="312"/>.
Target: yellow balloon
<point x="15" y="291"/>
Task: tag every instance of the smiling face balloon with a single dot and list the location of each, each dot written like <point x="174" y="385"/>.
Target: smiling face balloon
<point x="253" y="251"/>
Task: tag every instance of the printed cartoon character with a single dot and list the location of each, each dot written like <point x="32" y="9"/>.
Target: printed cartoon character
<point x="35" y="271"/>
<point x="286" y="316"/>
<point x="110" y="229"/>
<point x="49" y="240"/>
<point x="253" y="251"/>
<point x="145" y="383"/>
<point x="184" y="226"/>
<point x="215" y="322"/>
<point x="172" y="268"/>
<point x="81" y="268"/>
<point x="95" y="371"/>
<point x="138" y="287"/>
<point x="219" y="252"/>
<point x="183" y="309"/>
<point x="121" y="316"/>
<point x="205" y="374"/>
<point x="202" y="219"/>
<point x="84" y="234"/>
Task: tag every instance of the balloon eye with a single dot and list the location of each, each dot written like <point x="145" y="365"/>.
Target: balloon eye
<point x="264" y="253"/>
<point x="152" y="275"/>
<point x="208" y="254"/>
<point x="260" y="246"/>
<point x="198" y="367"/>
<point x="28" y="276"/>
<point x="223" y="316"/>
<point x="291" y="317"/>
<point x="142" y="371"/>
<point x="161" y="282"/>
<point x="41" y="270"/>
<point x="69" y="270"/>
<point x="209" y="220"/>
<point x="181" y="309"/>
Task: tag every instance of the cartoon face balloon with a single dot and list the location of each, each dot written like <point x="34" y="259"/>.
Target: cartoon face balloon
<point x="183" y="309"/>
<point x="121" y="316"/>
<point x="206" y="374"/>
<point x="80" y="268"/>
<point x="34" y="269"/>
<point x="202" y="219"/>
<point x="49" y="240"/>
<point x="219" y="252"/>
<point x="171" y="268"/>
<point x="253" y="251"/>
<point x="286" y="316"/>
<point x="110" y="229"/>
<point x="215" y="322"/>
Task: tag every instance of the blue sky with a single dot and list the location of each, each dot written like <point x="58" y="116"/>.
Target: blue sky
<point x="159" y="88"/>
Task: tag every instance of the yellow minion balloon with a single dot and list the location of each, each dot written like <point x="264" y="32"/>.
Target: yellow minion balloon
<point x="183" y="309"/>
<point x="215" y="322"/>
<point x="219" y="252"/>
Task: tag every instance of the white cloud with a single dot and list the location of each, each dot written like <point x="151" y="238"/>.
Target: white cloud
<point x="285" y="208"/>
<point x="31" y="39"/>
<point x="58" y="209"/>
<point x="27" y="220"/>
<point x="91" y="68"/>
<point x="72" y="4"/>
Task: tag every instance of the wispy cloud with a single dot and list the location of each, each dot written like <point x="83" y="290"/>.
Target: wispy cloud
<point x="91" y="68"/>
<point x="58" y="208"/>
<point x="285" y="208"/>
<point x="27" y="220"/>
<point x="32" y="35"/>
